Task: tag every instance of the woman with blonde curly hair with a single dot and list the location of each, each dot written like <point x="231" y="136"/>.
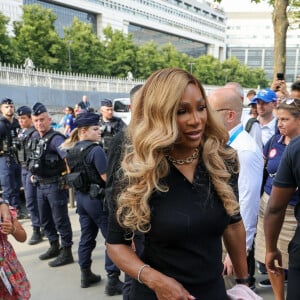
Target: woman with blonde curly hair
<point x="177" y="185"/>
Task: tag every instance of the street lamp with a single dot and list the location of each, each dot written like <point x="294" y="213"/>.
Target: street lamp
<point x="69" y="52"/>
<point x="191" y="66"/>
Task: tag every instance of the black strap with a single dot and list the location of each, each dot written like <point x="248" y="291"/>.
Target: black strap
<point x="250" y="123"/>
<point x="265" y="172"/>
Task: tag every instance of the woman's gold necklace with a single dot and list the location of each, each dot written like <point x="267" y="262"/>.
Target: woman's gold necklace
<point x="187" y="160"/>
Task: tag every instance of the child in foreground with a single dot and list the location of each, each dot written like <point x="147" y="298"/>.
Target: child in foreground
<point x="14" y="284"/>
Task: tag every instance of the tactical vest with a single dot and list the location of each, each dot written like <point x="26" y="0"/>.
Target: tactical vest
<point x="43" y="163"/>
<point x="24" y="151"/>
<point x="76" y="158"/>
<point x="9" y="142"/>
<point x="108" y="130"/>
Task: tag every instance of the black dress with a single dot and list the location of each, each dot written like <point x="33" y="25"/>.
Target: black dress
<point x="184" y="242"/>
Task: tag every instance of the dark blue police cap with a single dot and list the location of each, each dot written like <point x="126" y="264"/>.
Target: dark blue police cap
<point x="106" y="102"/>
<point x="7" y="101"/>
<point x="87" y="119"/>
<point x="38" y="108"/>
<point x="23" y="110"/>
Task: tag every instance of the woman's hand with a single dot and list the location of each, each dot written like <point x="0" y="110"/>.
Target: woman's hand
<point x="271" y="258"/>
<point x="168" y="288"/>
<point x="228" y="266"/>
<point x="165" y="287"/>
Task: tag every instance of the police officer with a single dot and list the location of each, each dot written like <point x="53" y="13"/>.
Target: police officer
<point x="87" y="164"/>
<point x="24" y="151"/>
<point x="110" y="125"/>
<point x="47" y="164"/>
<point x="10" y="170"/>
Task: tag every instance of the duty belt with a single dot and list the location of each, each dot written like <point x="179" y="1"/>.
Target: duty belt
<point x="47" y="180"/>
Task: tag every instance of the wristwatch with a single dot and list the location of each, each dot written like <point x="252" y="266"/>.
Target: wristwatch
<point x="242" y="280"/>
<point x="2" y="201"/>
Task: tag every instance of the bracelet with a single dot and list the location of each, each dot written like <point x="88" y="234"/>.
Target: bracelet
<point x="140" y="271"/>
<point x="4" y="202"/>
<point x="242" y="280"/>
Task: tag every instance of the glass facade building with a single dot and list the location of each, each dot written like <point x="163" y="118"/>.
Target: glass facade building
<point x="263" y="57"/>
<point x="142" y="35"/>
<point x="65" y="15"/>
<point x="193" y="27"/>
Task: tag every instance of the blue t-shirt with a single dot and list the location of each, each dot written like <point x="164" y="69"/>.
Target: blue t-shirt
<point x="69" y="121"/>
<point x="274" y="154"/>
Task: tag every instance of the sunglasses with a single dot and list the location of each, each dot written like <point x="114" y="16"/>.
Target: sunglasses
<point x="290" y="101"/>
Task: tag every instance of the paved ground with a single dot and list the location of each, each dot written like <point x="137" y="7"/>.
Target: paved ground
<point x="63" y="283"/>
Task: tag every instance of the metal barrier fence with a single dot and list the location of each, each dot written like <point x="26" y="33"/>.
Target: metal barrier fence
<point x="64" y="81"/>
<point x="14" y="75"/>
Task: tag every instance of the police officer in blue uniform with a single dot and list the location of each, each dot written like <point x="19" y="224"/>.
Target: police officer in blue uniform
<point x="110" y="125"/>
<point x="47" y="164"/>
<point x="10" y="175"/>
<point x="24" y="151"/>
<point x="87" y="164"/>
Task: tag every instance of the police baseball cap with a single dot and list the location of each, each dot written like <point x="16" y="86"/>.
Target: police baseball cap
<point x="106" y="102"/>
<point x="87" y="119"/>
<point x="23" y="110"/>
<point x="7" y="101"/>
<point x="38" y="108"/>
<point x="266" y="95"/>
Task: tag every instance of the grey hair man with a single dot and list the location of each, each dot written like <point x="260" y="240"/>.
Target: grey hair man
<point x="227" y="104"/>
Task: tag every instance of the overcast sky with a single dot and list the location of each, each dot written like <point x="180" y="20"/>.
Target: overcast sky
<point x="244" y="5"/>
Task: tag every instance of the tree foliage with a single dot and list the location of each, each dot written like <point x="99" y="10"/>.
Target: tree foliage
<point x="212" y="72"/>
<point x="120" y="52"/>
<point x="6" y="47"/>
<point x="150" y="57"/>
<point x="84" y="52"/>
<point x="115" y="54"/>
<point x="36" y="37"/>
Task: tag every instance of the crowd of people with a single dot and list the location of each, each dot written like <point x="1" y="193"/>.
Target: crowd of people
<point x="188" y="186"/>
<point x="32" y="155"/>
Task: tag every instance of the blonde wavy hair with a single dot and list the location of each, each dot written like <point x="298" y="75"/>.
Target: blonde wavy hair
<point x="152" y="131"/>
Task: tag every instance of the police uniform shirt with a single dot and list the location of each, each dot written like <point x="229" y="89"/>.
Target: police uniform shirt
<point x="84" y="105"/>
<point x="54" y="146"/>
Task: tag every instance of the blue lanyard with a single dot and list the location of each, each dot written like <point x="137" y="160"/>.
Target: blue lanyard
<point x="235" y="134"/>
